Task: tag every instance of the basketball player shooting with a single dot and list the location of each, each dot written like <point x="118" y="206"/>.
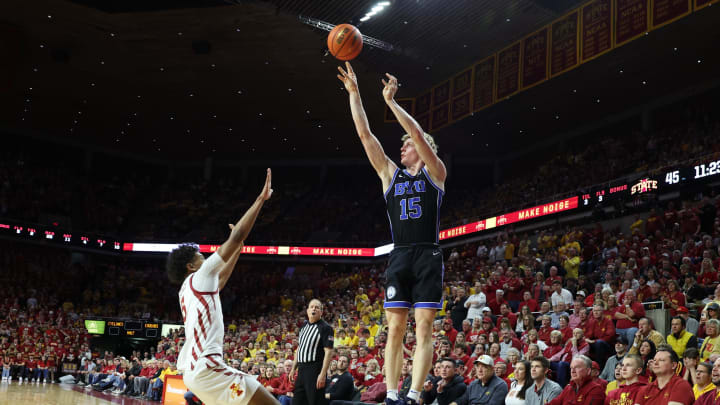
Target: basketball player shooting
<point x="413" y="197"/>
<point x="201" y="361"/>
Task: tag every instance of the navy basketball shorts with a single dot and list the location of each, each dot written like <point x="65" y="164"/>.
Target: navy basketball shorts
<point x="414" y="277"/>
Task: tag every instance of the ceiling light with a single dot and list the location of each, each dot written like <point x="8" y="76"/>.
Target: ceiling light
<point x="507" y="20"/>
<point x="699" y="60"/>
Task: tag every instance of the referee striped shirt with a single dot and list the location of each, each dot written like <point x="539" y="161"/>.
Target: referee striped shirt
<point x="313" y="339"/>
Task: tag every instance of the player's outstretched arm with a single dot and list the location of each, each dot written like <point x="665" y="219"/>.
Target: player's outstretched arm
<point x="241" y="229"/>
<point x="434" y="165"/>
<point x="379" y="160"/>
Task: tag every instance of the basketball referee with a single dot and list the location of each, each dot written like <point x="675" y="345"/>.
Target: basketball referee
<point x="312" y="358"/>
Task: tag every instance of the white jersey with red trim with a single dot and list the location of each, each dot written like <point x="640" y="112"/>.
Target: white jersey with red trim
<point x="202" y="314"/>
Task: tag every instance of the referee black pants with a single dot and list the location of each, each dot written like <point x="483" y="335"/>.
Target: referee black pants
<point x="305" y="392"/>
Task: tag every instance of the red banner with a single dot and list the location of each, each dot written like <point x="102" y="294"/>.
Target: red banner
<point x="484" y="84"/>
<point x="507" y="80"/>
<point x="596" y="29"/>
<point x="331" y="251"/>
<point x="535" y="59"/>
<point x="631" y="20"/>
<point x="513" y="217"/>
<point x="564" y="43"/>
<point x="667" y="11"/>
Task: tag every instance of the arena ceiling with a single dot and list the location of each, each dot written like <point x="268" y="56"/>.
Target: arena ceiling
<point x="182" y="79"/>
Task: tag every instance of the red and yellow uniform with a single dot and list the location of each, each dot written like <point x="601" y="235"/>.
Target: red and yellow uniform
<point x="625" y="394"/>
<point x="676" y="390"/>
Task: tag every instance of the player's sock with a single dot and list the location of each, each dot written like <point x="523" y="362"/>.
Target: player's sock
<point x="414" y="395"/>
<point x="392" y="395"/>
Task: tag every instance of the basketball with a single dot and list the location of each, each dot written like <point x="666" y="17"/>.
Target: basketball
<point x="345" y="42"/>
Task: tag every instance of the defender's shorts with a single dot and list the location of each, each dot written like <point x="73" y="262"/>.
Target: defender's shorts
<point x="216" y="383"/>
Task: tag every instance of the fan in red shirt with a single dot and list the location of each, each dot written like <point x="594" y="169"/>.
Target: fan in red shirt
<point x="633" y="383"/>
<point x="628" y="315"/>
<point x="529" y="302"/>
<point x="600" y="334"/>
<point x="498" y="301"/>
<point x="506" y="312"/>
<point x="450" y="332"/>
<point x="545" y="329"/>
<point x="668" y="388"/>
<point x="582" y="389"/>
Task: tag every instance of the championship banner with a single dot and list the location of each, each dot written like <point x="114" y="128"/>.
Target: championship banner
<point x="565" y="43"/>
<point x="441" y="93"/>
<point x="507" y="76"/>
<point x="440" y="116"/>
<point x="667" y="11"/>
<point x="483" y="84"/>
<point x="460" y="106"/>
<point x="703" y="3"/>
<point x="596" y="29"/>
<point x="424" y="122"/>
<point x="461" y="82"/>
<point x="174" y="390"/>
<point x="535" y="58"/>
<point x="461" y="85"/>
<point x="406" y="103"/>
<point x="632" y="19"/>
<point x="422" y="104"/>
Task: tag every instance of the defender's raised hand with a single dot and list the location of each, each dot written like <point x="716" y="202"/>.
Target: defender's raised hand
<point x="348" y="78"/>
<point x="267" y="188"/>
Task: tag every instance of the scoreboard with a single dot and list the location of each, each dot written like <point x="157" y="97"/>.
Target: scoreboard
<point x="673" y="179"/>
<point x="133" y="329"/>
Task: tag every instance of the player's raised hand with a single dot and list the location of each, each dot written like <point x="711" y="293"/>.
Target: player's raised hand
<point x="267" y="188"/>
<point x="348" y="78"/>
<point x="391" y="87"/>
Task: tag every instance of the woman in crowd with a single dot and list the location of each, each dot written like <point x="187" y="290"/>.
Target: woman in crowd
<point x="647" y="354"/>
<point x="539" y="289"/>
<point x="532" y="339"/>
<point x="533" y="350"/>
<point x="520" y="384"/>
<point x="373" y="374"/>
<point x="513" y="356"/>
<point x="6" y="364"/>
<point x="525" y="323"/>
<point x="556" y="345"/>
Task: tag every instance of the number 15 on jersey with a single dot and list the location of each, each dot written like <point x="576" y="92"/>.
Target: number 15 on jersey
<point x="410" y="208"/>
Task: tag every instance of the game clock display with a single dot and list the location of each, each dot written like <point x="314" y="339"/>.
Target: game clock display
<point x="133" y="329"/>
<point x="707" y="170"/>
<point x="688" y="175"/>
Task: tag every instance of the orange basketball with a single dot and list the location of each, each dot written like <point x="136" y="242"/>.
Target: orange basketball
<point x="345" y="42"/>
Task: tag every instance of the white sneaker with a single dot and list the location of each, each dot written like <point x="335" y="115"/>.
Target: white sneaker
<point x="20" y="380"/>
<point x="44" y="381"/>
<point x="32" y="381"/>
